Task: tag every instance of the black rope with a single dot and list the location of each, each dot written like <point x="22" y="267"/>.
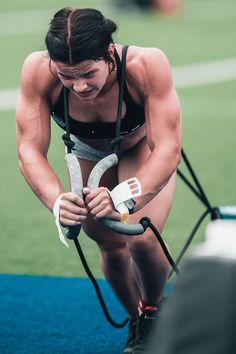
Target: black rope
<point x="146" y="222"/>
<point x="193" y="189"/>
<point x="204" y="197"/>
<point x="97" y="289"/>
<point x="190" y="238"/>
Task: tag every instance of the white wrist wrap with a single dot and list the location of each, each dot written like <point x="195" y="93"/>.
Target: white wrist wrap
<point x="124" y="191"/>
<point x="60" y="228"/>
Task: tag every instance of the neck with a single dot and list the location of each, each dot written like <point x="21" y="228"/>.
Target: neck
<point x="110" y="82"/>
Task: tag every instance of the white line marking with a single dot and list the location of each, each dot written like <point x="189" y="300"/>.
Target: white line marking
<point x="191" y="75"/>
<point x="205" y="73"/>
<point x="8" y="99"/>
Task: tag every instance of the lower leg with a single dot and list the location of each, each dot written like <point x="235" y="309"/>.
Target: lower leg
<point x="151" y="266"/>
<point x="118" y="269"/>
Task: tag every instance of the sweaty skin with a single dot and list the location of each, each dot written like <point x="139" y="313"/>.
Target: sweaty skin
<point x="152" y="155"/>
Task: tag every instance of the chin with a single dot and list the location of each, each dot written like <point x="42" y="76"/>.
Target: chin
<point x="87" y="97"/>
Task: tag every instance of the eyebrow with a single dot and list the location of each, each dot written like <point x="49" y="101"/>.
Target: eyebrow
<point x="67" y="74"/>
<point x="77" y="73"/>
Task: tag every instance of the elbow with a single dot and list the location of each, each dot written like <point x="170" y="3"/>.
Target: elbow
<point x="20" y="159"/>
<point x="20" y="165"/>
<point x="28" y="156"/>
<point x="178" y="155"/>
<point x="174" y="153"/>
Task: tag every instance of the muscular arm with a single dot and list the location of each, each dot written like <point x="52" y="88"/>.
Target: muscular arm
<point x="163" y="114"/>
<point x="33" y="135"/>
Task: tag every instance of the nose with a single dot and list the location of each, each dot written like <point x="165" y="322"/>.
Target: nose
<point x="79" y="86"/>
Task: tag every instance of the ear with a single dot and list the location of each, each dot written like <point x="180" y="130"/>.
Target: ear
<point x="111" y="49"/>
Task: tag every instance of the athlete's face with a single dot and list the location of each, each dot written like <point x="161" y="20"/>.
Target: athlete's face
<point x="85" y="79"/>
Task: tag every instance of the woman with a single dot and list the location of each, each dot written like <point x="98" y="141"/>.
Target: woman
<point x="82" y="57"/>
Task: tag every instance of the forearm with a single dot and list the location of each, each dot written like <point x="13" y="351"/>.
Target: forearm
<point x="156" y="172"/>
<point x="40" y="177"/>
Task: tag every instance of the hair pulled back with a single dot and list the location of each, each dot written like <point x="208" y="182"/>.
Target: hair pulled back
<point x="75" y="35"/>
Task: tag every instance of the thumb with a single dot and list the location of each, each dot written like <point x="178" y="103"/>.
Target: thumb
<point x="86" y="190"/>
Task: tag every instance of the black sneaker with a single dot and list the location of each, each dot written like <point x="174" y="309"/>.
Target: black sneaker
<point x="145" y="326"/>
<point x="129" y="347"/>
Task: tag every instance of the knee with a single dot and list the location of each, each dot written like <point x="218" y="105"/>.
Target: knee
<point x="115" y="256"/>
<point x="143" y="245"/>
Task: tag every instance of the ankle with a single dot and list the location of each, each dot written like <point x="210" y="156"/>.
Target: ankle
<point x="143" y="306"/>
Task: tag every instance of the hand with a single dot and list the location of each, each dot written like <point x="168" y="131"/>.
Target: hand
<point x="72" y="210"/>
<point x="99" y="204"/>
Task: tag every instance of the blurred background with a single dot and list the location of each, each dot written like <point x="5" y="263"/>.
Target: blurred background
<point x="199" y="39"/>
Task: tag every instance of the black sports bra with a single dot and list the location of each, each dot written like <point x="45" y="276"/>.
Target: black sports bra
<point x="133" y="119"/>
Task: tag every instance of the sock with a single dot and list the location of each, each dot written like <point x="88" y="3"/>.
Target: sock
<point x="146" y="307"/>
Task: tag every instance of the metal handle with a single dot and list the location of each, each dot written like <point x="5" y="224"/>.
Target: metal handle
<point x="76" y="187"/>
<point x="93" y="182"/>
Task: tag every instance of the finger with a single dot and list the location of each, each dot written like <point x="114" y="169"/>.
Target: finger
<point x="94" y="193"/>
<point x="65" y="214"/>
<point x="69" y="222"/>
<point x="94" y="198"/>
<point x="102" y="211"/>
<point x="86" y="190"/>
<point x="73" y="208"/>
<point x="114" y="215"/>
<point x="74" y="198"/>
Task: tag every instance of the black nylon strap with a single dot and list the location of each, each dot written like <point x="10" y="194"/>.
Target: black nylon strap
<point x="66" y="110"/>
<point x="66" y="137"/>
<point x="121" y="75"/>
<point x="121" y="91"/>
<point x="118" y="64"/>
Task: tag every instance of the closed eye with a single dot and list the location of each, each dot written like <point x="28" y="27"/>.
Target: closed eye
<point x="89" y="74"/>
<point x="65" y="77"/>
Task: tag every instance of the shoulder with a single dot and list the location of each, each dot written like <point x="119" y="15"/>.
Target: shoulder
<point x="145" y="56"/>
<point x="149" y="68"/>
<point x="38" y="73"/>
<point x="35" y="64"/>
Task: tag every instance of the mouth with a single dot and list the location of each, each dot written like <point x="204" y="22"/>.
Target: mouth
<point x="85" y="93"/>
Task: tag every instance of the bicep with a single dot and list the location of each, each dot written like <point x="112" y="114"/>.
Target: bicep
<point x="162" y="106"/>
<point x="163" y="117"/>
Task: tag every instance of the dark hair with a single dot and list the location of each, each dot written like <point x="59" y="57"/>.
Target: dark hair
<point x="75" y="35"/>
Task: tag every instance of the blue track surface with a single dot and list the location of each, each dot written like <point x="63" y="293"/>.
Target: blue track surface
<point x="42" y="314"/>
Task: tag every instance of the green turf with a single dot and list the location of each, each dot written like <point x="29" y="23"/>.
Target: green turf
<point x="205" y="31"/>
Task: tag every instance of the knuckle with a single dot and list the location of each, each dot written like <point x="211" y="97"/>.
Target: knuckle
<point x="109" y="209"/>
<point x="89" y="208"/>
<point x="92" y="213"/>
<point x="107" y="198"/>
<point x="62" y="214"/>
